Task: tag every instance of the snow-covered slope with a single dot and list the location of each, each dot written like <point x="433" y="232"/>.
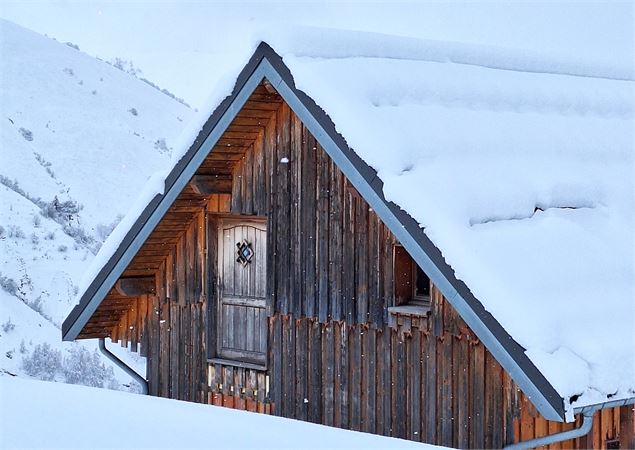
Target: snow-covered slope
<point x="36" y="414"/>
<point x="78" y="139"/>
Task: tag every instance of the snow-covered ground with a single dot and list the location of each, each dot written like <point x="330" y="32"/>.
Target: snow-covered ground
<point x="78" y="139"/>
<point x="37" y="414"/>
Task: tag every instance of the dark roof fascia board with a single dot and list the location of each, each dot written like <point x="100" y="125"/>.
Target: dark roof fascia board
<point x="211" y="132"/>
<point x="267" y="64"/>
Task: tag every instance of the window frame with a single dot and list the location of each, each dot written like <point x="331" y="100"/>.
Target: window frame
<point x="400" y="258"/>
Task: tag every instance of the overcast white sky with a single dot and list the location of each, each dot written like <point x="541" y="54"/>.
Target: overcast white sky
<point x="176" y="43"/>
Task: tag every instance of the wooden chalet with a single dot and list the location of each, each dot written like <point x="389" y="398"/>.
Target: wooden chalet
<point x="272" y="275"/>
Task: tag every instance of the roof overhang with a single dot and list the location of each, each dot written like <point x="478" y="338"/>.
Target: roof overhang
<point x="266" y="64"/>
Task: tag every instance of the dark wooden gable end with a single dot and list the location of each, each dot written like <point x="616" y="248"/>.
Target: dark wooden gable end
<point x="334" y="353"/>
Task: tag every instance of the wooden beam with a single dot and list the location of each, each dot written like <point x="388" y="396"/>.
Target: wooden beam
<point x="269" y="87"/>
<point x="135" y="286"/>
<point x="211" y="184"/>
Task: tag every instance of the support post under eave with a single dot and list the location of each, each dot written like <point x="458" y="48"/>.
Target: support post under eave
<point x="123" y="366"/>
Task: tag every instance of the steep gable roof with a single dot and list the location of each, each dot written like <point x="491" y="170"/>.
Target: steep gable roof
<point x="455" y="145"/>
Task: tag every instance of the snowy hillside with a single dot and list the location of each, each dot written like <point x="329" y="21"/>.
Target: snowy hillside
<point x="78" y="139"/>
<point x="96" y="418"/>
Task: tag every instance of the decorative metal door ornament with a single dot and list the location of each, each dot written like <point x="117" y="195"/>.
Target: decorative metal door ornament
<point x="245" y="252"/>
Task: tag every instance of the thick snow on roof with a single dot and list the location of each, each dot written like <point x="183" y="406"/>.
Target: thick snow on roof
<point x="518" y="166"/>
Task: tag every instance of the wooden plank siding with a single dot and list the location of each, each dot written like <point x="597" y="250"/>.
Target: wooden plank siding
<point x="332" y="356"/>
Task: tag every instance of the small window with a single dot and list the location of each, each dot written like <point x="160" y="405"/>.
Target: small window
<point x="412" y="285"/>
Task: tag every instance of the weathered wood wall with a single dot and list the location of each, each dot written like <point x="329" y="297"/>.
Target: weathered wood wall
<point x="332" y="357"/>
<point x="331" y="257"/>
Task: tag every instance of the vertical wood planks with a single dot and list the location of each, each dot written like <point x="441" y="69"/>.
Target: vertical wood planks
<point x="414" y="385"/>
<point x="275" y="352"/>
<point x="315" y="371"/>
<point x="461" y="391"/>
<point x="283" y="209"/>
<point x="308" y="222"/>
<point x="328" y="373"/>
<point x="335" y="241"/>
<point x="322" y="235"/>
<point x="478" y="396"/>
<point x="348" y="258"/>
<point x="301" y="365"/>
<point x="375" y="298"/>
<point x="354" y="378"/>
<point x="431" y="389"/>
<point x="361" y="259"/>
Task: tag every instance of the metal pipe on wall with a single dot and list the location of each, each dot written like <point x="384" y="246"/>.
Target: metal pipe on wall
<point x="123" y="366"/>
<point x="587" y="424"/>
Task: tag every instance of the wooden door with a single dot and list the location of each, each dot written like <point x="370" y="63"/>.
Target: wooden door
<point x="242" y="318"/>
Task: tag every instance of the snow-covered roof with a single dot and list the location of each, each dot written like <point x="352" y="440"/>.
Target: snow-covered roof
<point x="519" y="168"/>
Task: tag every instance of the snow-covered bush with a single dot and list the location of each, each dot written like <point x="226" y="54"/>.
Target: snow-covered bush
<point x="37" y="305"/>
<point x="16" y="232"/>
<point x="2" y="232"/>
<point x="62" y="249"/>
<point x="133" y="111"/>
<point x="162" y="146"/>
<point x="81" y="236"/>
<point x="44" y="163"/>
<point x="79" y="367"/>
<point x="83" y="367"/>
<point x="9" y="285"/>
<point x="64" y="213"/>
<point x="44" y="363"/>
<point x="125" y="66"/>
<point x="165" y="91"/>
<point x="35" y="240"/>
<point x="57" y="210"/>
<point x="26" y="134"/>
<point x="8" y="326"/>
<point x="37" y="221"/>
